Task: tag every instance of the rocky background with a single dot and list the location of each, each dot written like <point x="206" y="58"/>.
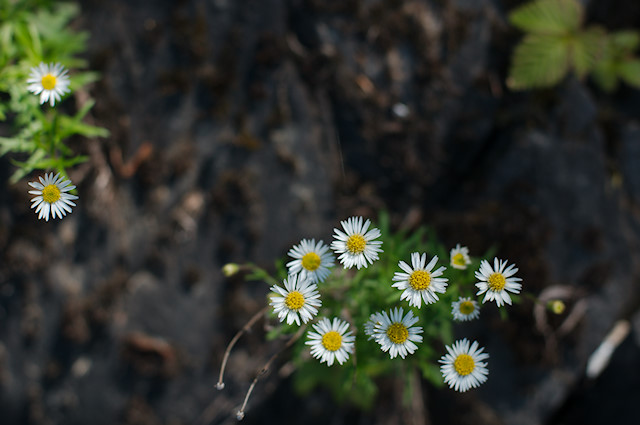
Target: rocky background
<point x="239" y="127"/>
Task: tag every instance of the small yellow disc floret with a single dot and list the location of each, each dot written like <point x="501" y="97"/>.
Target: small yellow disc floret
<point x="294" y="300"/>
<point x="420" y="280"/>
<point x="332" y="341"/>
<point x="50" y="193"/>
<point x="398" y="333"/>
<point x="356" y="244"/>
<point x="464" y="364"/>
<point x="311" y="261"/>
<point x="48" y="82"/>
<point x="459" y="260"/>
<point x="466" y="307"/>
<point x="496" y="282"/>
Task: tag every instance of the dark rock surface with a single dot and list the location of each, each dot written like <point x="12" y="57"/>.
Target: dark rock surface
<point x="239" y="127"/>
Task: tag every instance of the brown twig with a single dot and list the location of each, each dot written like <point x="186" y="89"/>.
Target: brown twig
<point x="265" y="369"/>
<point x="245" y="328"/>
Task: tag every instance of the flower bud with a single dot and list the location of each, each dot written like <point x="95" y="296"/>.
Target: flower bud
<point x="556" y="306"/>
<point x="230" y="269"/>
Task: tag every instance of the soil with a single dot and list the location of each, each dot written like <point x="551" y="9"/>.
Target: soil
<point x="239" y="127"/>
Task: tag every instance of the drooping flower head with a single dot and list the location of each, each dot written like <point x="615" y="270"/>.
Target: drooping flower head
<point x="299" y="299"/>
<point x="465" y="309"/>
<point x="311" y="260"/>
<point x="331" y="341"/>
<point x="356" y="246"/>
<point x="420" y="282"/>
<point x="462" y="368"/>
<point x="396" y="334"/>
<point x="496" y="281"/>
<point x="52" y="196"/>
<point x="50" y="81"/>
<point x="460" y="257"/>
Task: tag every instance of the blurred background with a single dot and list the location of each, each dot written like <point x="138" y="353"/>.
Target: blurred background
<point x="239" y="127"/>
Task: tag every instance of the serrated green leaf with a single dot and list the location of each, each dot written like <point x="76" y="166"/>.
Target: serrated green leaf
<point x="553" y="17"/>
<point x="539" y="61"/>
<point x="629" y="71"/>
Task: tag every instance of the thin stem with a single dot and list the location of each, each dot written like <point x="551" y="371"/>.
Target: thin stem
<point x="532" y="297"/>
<point x="245" y="328"/>
<point x="52" y="135"/>
<point x="265" y="369"/>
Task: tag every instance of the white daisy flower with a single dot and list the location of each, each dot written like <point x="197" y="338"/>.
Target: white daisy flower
<point x="395" y="333"/>
<point x="462" y="368"/>
<point x="420" y="282"/>
<point x="50" y="81"/>
<point x="311" y="260"/>
<point x="465" y="309"/>
<point x="356" y="245"/>
<point x="497" y="281"/>
<point x="370" y="325"/>
<point x="299" y="300"/>
<point x="331" y="341"/>
<point x="460" y="257"/>
<point x="52" y="196"/>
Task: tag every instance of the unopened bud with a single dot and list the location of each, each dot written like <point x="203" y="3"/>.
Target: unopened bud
<point x="220" y="386"/>
<point x="230" y="269"/>
<point x="240" y="415"/>
<point x="556" y="306"/>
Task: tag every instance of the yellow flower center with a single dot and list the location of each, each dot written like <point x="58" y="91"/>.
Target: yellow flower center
<point x="466" y="307"/>
<point x="294" y="300"/>
<point x="356" y="244"/>
<point x="311" y="261"/>
<point x="332" y="340"/>
<point x="48" y="82"/>
<point x="458" y="259"/>
<point x="420" y="280"/>
<point x="464" y="364"/>
<point x="496" y="282"/>
<point x="50" y="193"/>
<point x="398" y="333"/>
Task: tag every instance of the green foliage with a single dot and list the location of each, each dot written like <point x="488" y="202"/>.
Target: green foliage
<point x="32" y="32"/>
<point x="556" y="43"/>
<point x="539" y="60"/>
<point x="551" y="17"/>
<point x="617" y="62"/>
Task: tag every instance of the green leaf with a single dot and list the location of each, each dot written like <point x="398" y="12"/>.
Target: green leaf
<point x="626" y="40"/>
<point x="548" y="17"/>
<point x="586" y="48"/>
<point x="82" y="79"/>
<point x="15" y="144"/>
<point x="431" y="372"/>
<point x="630" y="72"/>
<point x="539" y="61"/>
<point x="70" y="126"/>
<point x="605" y="76"/>
<point x="34" y="161"/>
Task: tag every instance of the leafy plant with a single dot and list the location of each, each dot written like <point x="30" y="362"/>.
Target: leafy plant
<point x="33" y="32"/>
<point x="556" y="43"/>
<point x="355" y="295"/>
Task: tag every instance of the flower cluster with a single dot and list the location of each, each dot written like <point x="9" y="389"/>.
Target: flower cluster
<point x="398" y="331"/>
<point x="51" y="82"/>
